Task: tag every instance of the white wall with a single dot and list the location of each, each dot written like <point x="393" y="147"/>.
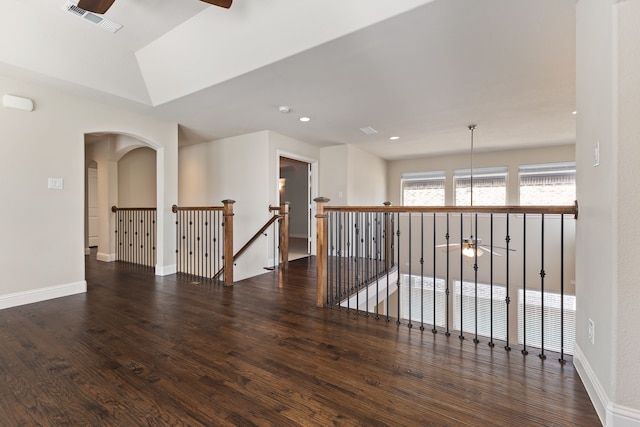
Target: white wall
<point x="608" y="101"/>
<point x="367" y="178"/>
<point x="244" y="169"/>
<point x="334" y="174"/>
<point x="628" y="132"/>
<point x="351" y="176"/>
<point x="46" y="227"/>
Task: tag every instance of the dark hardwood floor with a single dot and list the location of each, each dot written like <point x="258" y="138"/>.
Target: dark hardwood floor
<point x="160" y="351"/>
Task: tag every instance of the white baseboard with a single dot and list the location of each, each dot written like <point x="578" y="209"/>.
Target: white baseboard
<point x="166" y="270"/>
<point x="298" y="236"/>
<point x="42" y="294"/>
<point x="611" y="414"/>
<point x="622" y="416"/>
<point x="101" y="256"/>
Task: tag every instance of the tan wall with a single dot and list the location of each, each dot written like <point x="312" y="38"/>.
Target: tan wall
<point x="510" y="158"/>
<point x="47" y="226"/>
<point x="137" y="179"/>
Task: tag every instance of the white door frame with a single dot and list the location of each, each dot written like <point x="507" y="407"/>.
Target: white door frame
<point x="314" y="190"/>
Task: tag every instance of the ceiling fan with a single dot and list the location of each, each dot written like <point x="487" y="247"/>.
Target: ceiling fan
<point x="472" y="246"/>
<point x="101" y="6"/>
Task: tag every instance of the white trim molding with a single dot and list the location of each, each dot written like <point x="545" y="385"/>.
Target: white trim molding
<point x="101" y="256"/>
<point x="165" y="270"/>
<point x="611" y="414"/>
<point x="42" y="294"/>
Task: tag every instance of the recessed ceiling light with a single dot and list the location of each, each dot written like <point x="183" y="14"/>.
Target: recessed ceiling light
<point x="304" y="119"/>
<point x="393" y="138"/>
<point x="284" y="109"/>
<point x="574" y="113"/>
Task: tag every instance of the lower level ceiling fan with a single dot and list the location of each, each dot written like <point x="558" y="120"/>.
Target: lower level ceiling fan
<point x="101" y="6"/>
<point x="472" y="246"/>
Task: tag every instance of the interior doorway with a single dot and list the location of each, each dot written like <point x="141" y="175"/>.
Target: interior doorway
<point x="92" y="205"/>
<point x="295" y="188"/>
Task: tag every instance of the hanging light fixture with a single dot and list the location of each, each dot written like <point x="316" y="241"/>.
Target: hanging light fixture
<point x="472" y="247"/>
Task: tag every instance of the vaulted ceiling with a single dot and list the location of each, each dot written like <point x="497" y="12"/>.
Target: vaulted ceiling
<point x="418" y="69"/>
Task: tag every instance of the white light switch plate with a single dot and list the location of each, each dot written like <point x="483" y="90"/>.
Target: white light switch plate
<point x="56" y="183"/>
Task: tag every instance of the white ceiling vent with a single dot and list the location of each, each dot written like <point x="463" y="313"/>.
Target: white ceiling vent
<point x="368" y="130"/>
<point x="92" y="17"/>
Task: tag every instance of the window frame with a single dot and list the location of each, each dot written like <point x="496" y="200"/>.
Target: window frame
<point x="549" y="171"/>
<point x="428" y="176"/>
<point x="492" y="172"/>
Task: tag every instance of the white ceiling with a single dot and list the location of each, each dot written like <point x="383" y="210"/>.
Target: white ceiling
<point x="419" y="69"/>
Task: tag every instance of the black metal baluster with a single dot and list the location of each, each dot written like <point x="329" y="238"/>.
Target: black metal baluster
<point x="332" y="279"/>
<point x="461" y="336"/>
<point x="475" y="288"/>
<point x="562" y="289"/>
<point x="446" y="292"/>
<point x="491" y="344"/>
<point x="358" y="255"/>
<point x="367" y="265"/>
<point x="422" y="271"/>
<point x="388" y="235"/>
<point x="542" y="274"/>
<point x="339" y="259"/>
<point x="129" y="236"/>
<point x="524" y="284"/>
<point x="507" y="299"/>
<point x="398" y="261"/>
<point x="409" y="292"/>
<point x="434" y="330"/>
<point x="153" y="238"/>
<point x="378" y="260"/>
<point x="177" y="251"/>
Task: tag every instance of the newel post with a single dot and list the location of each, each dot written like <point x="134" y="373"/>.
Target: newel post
<point x="387" y="234"/>
<point x="321" y="251"/>
<point x="284" y="235"/>
<point x="227" y="213"/>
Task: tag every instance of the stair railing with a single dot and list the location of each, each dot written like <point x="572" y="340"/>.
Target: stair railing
<point x="135" y="230"/>
<point x="204" y="241"/>
<point x="408" y="263"/>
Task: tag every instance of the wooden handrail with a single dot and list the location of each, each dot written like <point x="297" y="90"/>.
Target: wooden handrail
<point x="250" y="242"/>
<point x="116" y="209"/>
<point x="569" y="209"/>
<point x="176" y="208"/>
<point x="255" y="236"/>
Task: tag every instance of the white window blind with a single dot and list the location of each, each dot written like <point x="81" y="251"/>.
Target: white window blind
<point x="416" y="294"/>
<point x="485" y="300"/>
<point x="548" y="184"/>
<point x="489" y="186"/>
<point x="552" y="326"/>
<point x="423" y="188"/>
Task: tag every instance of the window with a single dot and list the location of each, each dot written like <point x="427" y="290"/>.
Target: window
<point x="489" y="186"/>
<point x="423" y="188"/>
<point x="548" y="184"/>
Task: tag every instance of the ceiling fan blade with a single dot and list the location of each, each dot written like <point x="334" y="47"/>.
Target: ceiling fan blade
<point x="452" y="247"/>
<point x="222" y="3"/>
<point x="488" y="249"/>
<point x="95" y="6"/>
<point x="500" y="247"/>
